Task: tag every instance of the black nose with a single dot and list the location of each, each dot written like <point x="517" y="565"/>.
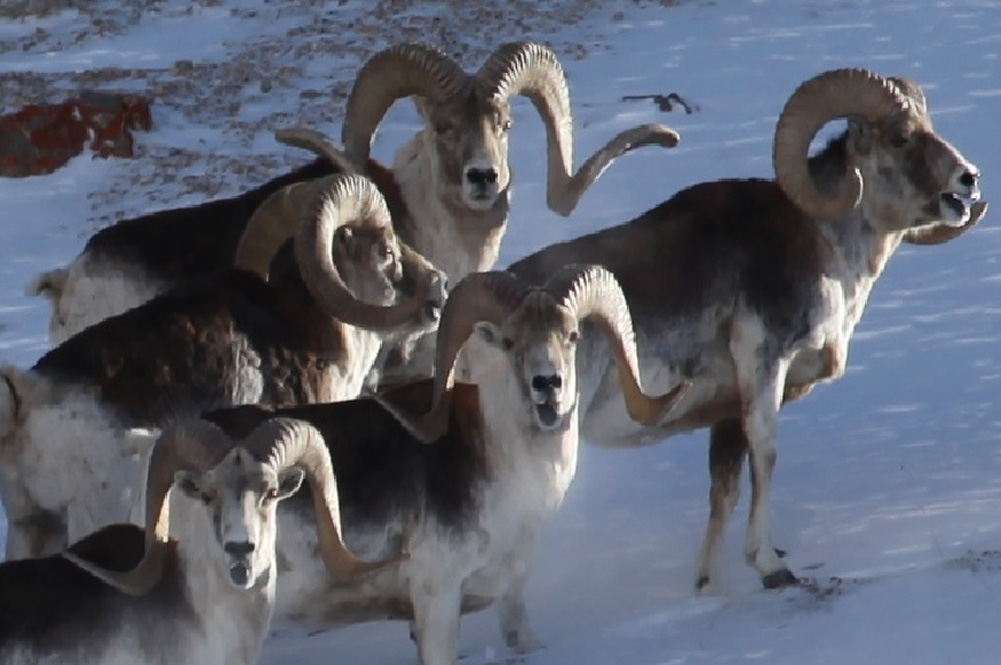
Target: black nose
<point x="481" y="177"/>
<point x="238" y="549"/>
<point x="543" y="383"/>
<point x="968" y="179"/>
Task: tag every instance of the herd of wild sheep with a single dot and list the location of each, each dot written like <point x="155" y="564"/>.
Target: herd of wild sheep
<point x="342" y="324"/>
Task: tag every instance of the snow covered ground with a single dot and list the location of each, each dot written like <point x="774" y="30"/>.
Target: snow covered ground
<point x="888" y="486"/>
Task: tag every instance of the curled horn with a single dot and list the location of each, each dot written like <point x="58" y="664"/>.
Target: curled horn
<point x="273" y="223"/>
<point x="318" y="143"/>
<point x="935" y="234"/>
<point x="484" y="296"/>
<point x="311" y="212"/>
<point x="938" y="234"/>
<point x="277" y="218"/>
<point x="399" y="71"/>
<point x="348" y="198"/>
<point x="912" y="90"/>
<point x="195" y="446"/>
<point x="592" y="291"/>
<point x="834" y="94"/>
<point x="534" y="71"/>
<point x="285" y="442"/>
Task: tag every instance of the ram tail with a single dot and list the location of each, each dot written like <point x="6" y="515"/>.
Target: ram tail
<point x="49" y="284"/>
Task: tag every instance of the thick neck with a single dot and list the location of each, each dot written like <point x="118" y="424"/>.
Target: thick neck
<point x="454" y="238"/>
<point x="363" y="350"/>
<point x="862" y="248"/>
<point x="515" y="442"/>
<point x="235" y="620"/>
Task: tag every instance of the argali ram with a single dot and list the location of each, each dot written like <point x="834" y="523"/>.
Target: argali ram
<point x="448" y="188"/>
<point x="310" y="334"/>
<point x="462" y="476"/>
<point x="751" y="288"/>
<point x="128" y="595"/>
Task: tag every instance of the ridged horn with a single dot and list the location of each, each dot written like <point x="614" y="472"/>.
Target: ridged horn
<point x="195" y="446"/>
<point x="592" y="291"/>
<point x="277" y="218"/>
<point x="484" y="296"/>
<point x="938" y="234"/>
<point x="532" y="70"/>
<point x="913" y="91"/>
<point x="283" y="443"/>
<point x="835" y="94"/>
<point x="273" y="223"/>
<point x="346" y="199"/>
<point x="399" y="71"/>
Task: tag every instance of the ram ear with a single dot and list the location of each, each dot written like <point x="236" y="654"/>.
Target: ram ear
<point x="289" y="482"/>
<point x="344" y="237"/>
<point x="492" y="334"/>
<point x="421" y="104"/>
<point x="189" y="484"/>
<point x="860" y="135"/>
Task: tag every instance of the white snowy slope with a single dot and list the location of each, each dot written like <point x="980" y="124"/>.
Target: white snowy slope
<point x="888" y="484"/>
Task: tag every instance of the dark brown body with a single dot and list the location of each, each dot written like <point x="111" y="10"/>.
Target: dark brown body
<point x="384" y="475"/>
<point x="177" y="244"/>
<point x="50" y="606"/>
<point x="191" y="349"/>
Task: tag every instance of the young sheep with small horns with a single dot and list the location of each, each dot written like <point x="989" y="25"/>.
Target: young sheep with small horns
<point x="130" y="595"/>
<point x="466" y="485"/>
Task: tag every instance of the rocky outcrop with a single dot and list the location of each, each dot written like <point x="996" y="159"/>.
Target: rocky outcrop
<point x="40" y="138"/>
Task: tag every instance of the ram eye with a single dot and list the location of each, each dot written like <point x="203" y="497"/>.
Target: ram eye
<point x="386" y="251"/>
<point x="506" y="125"/>
<point x="573" y="336"/>
<point x="272" y="493"/>
<point x="443" y="127"/>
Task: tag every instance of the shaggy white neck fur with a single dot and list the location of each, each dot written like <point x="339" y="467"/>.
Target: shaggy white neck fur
<point x="457" y="240"/>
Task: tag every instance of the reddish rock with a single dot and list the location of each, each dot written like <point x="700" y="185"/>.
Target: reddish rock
<point x="40" y="138"/>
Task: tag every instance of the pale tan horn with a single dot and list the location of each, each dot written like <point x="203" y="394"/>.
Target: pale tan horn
<point x="346" y="199"/>
<point x="399" y="71"/>
<point x="276" y="220"/>
<point x="273" y="223"/>
<point x="592" y="291"/>
<point x="484" y="296"/>
<point x="195" y="446"/>
<point x="534" y="71"/>
<point x="283" y="443"/>
<point x="937" y="234"/>
<point x="319" y="144"/>
<point x="913" y="91"/>
<point x="835" y="94"/>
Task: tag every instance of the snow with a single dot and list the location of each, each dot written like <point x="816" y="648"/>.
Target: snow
<point x="888" y="485"/>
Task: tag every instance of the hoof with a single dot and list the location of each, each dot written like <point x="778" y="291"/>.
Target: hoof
<point x="779" y="579"/>
<point x="522" y="643"/>
<point x="780" y="553"/>
<point x="702" y="583"/>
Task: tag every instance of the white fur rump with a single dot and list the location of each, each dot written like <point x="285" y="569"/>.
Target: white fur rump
<point x="70" y="459"/>
<point x="87" y="292"/>
<point x="49" y="284"/>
